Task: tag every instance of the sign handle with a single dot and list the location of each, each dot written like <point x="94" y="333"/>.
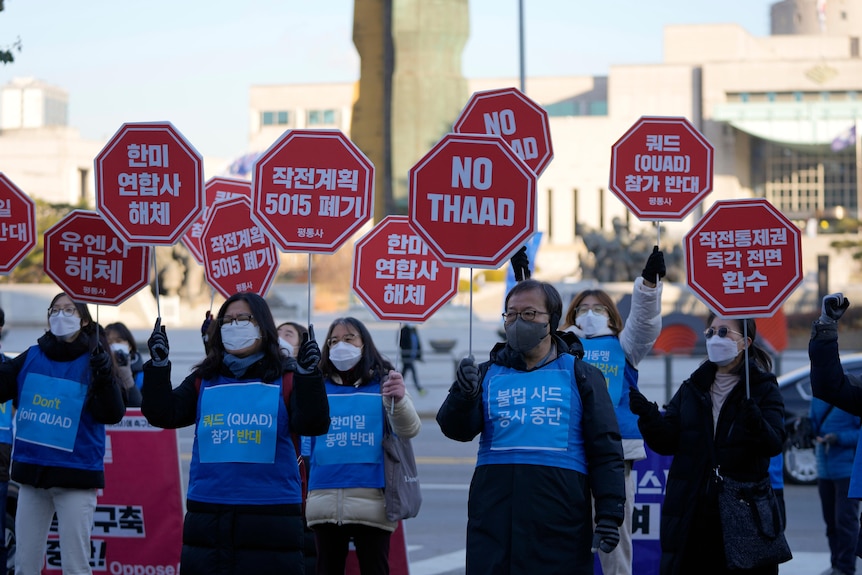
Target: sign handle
<point x="212" y="297"/>
<point x="310" y="327"/>
<point x="745" y="368"/>
<point x="470" y="330"/>
<point x="156" y="280"/>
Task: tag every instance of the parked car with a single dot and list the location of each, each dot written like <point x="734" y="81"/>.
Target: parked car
<point x="800" y="466"/>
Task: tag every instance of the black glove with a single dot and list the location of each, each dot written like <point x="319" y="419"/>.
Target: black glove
<point x="158" y="345"/>
<point x="654" y="266"/>
<point x="606" y="536"/>
<point x="100" y="363"/>
<point x="752" y="418"/>
<point x="122" y="357"/>
<point x="834" y="306"/>
<point x="205" y="326"/>
<point x="639" y="404"/>
<point x="521" y="264"/>
<point x="308" y="356"/>
<point x="467" y="378"/>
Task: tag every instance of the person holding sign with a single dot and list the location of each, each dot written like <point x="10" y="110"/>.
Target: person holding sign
<point x="549" y="443"/>
<point x="247" y="402"/>
<point x="725" y="421"/>
<point x="345" y="485"/>
<point x="66" y="389"/>
<point x="617" y="349"/>
<point x="832" y="384"/>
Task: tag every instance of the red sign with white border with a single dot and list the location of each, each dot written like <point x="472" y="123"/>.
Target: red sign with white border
<point x="216" y="189"/>
<point x="661" y="168"/>
<point x="93" y="264"/>
<point x="518" y="119"/>
<point x="743" y="258"/>
<point x="17" y="225"/>
<point x="312" y="190"/>
<point x="149" y="183"/>
<point x="238" y="255"/>
<point x="397" y="276"/>
<point x="473" y="200"/>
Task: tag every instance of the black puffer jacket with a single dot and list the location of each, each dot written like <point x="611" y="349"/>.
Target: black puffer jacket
<point x="238" y="539"/>
<point x="690" y="513"/>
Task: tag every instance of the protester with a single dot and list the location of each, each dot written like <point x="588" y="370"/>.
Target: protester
<point x="5" y="455"/>
<point x="244" y="499"/>
<point x="712" y="428"/>
<point x="549" y="443"/>
<point x="60" y="468"/>
<point x="345" y="489"/>
<point x="411" y="352"/>
<point x="290" y="335"/>
<point x="833" y="386"/>
<point x="617" y="349"/>
<point x="130" y="364"/>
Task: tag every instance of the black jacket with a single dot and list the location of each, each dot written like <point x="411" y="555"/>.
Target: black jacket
<point x="238" y="539"/>
<point x="104" y="403"/>
<point x="532" y="518"/>
<point x="685" y="431"/>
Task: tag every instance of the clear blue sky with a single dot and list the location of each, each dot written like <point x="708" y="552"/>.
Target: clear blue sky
<point x="191" y="62"/>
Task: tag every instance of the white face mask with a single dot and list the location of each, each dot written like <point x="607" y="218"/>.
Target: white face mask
<point x="721" y="350"/>
<point x="63" y="326"/>
<point x="286" y="347"/>
<point x="235" y="337"/>
<point x="120" y="347"/>
<point x="344" y="355"/>
<point x="592" y="323"/>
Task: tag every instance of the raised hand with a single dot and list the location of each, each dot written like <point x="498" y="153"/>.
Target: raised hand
<point x="158" y="345"/>
<point x="521" y="264"/>
<point x="654" y="268"/>
<point x="834" y="306"/>
<point x="308" y="356"/>
<point x="468" y="378"/>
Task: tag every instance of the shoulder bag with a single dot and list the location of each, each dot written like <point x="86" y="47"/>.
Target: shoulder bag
<point x="402" y="495"/>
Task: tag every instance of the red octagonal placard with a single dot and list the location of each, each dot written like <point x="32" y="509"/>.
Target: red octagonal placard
<point x="519" y="120"/>
<point x="743" y="258"/>
<point x="17" y="225"/>
<point x="149" y="183"/>
<point x="312" y="189"/>
<point x="661" y="168"/>
<point x="216" y="189"/>
<point x="238" y="255"/>
<point x="91" y="263"/>
<point x="473" y="200"/>
<point x="397" y="276"/>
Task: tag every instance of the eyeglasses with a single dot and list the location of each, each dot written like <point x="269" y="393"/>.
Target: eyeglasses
<point x="240" y="321"/>
<point x="66" y="311"/>
<point x="595" y="308"/>
<point x="722" y="332"/>
<point x="527" y="315"/>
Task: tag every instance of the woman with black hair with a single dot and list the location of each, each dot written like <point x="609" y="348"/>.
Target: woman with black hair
<point x="130" y="364"/>
<point x="66" y="389"/>
<point x="244" y="499"/>
<point x="713" y="426"/>
<point x="345" y="486"/>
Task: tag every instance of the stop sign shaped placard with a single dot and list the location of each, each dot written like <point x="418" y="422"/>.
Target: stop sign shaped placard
<point x="312" y="189"/>
<point x="93" y="264"/>
<point x="661" y="168"/>
<point x="17" y="225"/>
<point x="472" y="200"/>
<point x="743" y="258"/>
<point x="519" y="120"/>
<point x="149" y="183"/>
<point x="397" y="276"/>
<point x="238" y="255"/>
<point x="215" y="190"/>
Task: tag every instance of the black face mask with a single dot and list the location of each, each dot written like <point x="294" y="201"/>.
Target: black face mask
<point x="522" y="335"/>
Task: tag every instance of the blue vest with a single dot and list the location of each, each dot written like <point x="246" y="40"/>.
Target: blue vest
<point x="243" y="453"/>
<point x="53" y="426"/>
<point x="6" y="411"/>
<point x="351" y="452"/>
<point x="606" y="353"/>
<point x="533" y="417"/>
<point x="855" y="491"/>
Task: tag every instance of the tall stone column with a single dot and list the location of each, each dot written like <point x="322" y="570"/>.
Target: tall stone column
<point x="411" y="87"/>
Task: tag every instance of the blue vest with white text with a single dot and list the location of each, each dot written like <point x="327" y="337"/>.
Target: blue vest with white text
<point x="53" y="426"/>
<point x="533" y="417"/>
<point x="606" y="353"/>
<point x="351" y="452"/>
<point x="243" y="453"/>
